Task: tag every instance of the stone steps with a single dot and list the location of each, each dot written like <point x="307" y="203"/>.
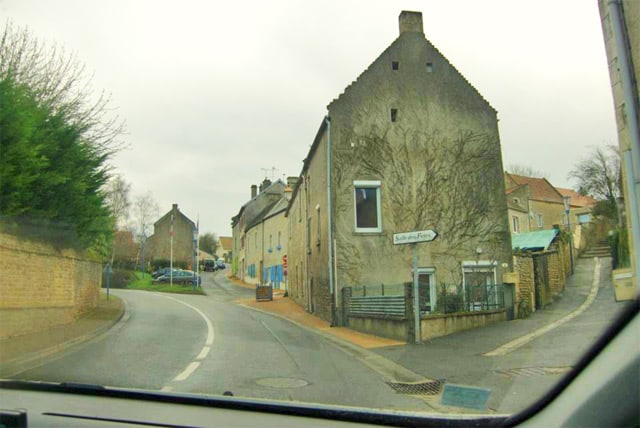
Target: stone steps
<point x="600" y="249"/>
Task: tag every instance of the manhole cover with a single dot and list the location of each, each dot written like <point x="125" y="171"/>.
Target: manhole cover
<point x="431" y="387"/>
<point x="282" y="382"/>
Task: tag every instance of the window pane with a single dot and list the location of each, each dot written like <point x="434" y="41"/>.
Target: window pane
<point x="366" y="207"/>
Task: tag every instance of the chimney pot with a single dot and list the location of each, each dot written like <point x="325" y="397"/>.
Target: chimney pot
<point x="254" y="191"/>
<point x="410" y="22"/>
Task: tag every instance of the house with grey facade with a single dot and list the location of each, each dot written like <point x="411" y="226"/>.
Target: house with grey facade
<point x="248" y="263"/>
<point x="410" y="145"/>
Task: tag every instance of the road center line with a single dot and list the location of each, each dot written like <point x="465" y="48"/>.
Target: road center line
<point x="205" y="349"/>
<point x="210" y="336"/>
<point x="203" y="354"/>
<point x="523" y="340"/>
<point x="187" y="372"/>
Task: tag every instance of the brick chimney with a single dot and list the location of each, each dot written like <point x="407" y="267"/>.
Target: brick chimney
<point x="410" y="22"/>
<point x="254" y="191"/>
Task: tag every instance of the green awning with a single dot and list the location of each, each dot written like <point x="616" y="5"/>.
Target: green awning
<point x="539" y="240"/>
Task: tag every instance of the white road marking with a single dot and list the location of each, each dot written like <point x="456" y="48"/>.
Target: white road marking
<point x="205" y="349"/>
<point x="210" y="337"/>
<point x="203" y="354"/>
<point x="523" y="340"/>
<point x="187" y="372"/>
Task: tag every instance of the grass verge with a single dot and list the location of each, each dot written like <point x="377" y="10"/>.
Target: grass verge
<point x="144" y="282"/>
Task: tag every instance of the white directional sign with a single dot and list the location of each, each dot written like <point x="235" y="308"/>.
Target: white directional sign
<point x="413" y="237"/>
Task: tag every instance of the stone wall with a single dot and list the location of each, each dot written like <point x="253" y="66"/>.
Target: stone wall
<point x="558" y="267"/>
<point x="523" y="265"/>
<point x="43" y="286"/>
<point x="433" y="326"/>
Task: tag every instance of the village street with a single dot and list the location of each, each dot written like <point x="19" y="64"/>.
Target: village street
<point x="210" y="344"/>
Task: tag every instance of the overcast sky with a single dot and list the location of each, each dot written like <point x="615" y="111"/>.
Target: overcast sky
<point x="212" y="92"/>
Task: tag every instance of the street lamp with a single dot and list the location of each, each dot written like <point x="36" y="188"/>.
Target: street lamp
<point x="567" y="208"/>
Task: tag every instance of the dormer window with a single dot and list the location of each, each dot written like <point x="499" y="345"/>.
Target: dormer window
<point x="429" y="67"/>
<point x="395" y="65"/>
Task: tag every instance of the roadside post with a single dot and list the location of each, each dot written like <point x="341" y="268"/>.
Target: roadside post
<point x="108" y="275"/>
<point x="284" y="272"/>
<point x="413" y="238"/>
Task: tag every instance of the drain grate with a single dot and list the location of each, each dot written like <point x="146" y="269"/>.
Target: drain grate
<point x="533" y="371"/>
<point x="431" y="387"/>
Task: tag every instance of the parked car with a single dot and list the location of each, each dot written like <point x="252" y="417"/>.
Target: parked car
<point x="179" y="277"/>
<point x="162" y="271"/>
<point x="209" y="265"/>
<point x="220" y="264"/>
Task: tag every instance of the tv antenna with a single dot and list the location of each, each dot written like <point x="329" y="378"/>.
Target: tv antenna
<point x="273" y="170"/>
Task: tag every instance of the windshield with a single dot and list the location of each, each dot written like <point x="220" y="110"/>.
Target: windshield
<point x="417" y="207"/>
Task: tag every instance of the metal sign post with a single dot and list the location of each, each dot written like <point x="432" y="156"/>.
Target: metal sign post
<point x="416" y="296"/>
<point x="413" y="238"/>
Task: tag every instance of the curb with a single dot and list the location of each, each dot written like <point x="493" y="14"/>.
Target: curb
<point x="34" y="359"/>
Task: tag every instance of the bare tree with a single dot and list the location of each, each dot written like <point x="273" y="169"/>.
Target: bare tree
<point x="209" y="243"/>
<point x="526" y="171"/>
<point x="599" y="175"/>
<point x="117" y="197"/>
<point x="145" y="211"/>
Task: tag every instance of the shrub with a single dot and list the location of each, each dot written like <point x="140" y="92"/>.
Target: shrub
<point x="119" y="278"/>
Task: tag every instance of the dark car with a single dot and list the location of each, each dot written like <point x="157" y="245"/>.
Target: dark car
<point x="209" y="265"/>
<point x="220" y="264"/>
<point x="162" y="271"/>
<point x="179" y="277"/>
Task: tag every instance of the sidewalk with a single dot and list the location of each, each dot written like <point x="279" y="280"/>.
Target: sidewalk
<point x="20" y="353"/>
<point x="285" y="308"/>
<point x="453" y="353"/>
<point x="466" y="343"/>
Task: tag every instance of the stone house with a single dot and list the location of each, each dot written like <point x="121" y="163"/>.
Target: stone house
<point x="621" y="33"/>
<point x="267" y="245"/>
<point x="127" y="250"/>
<point x="519" y="209"/>
<point x="581" y="215"/>
<point x="225" y="247"/>
<point x="410" y="145"/>
<point x="159" y="244"/>
<point x="246" y="265"/>
<point x="546" y="206"/>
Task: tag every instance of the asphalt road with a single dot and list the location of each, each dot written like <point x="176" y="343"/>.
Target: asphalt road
<point x="208" y="345"/>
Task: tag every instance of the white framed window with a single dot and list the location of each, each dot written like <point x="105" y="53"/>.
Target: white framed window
<point x="427" y="289"/>
<point x="479" y="282"/>
<point x="515" y="220"/>
<point x="367" y="206"/>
